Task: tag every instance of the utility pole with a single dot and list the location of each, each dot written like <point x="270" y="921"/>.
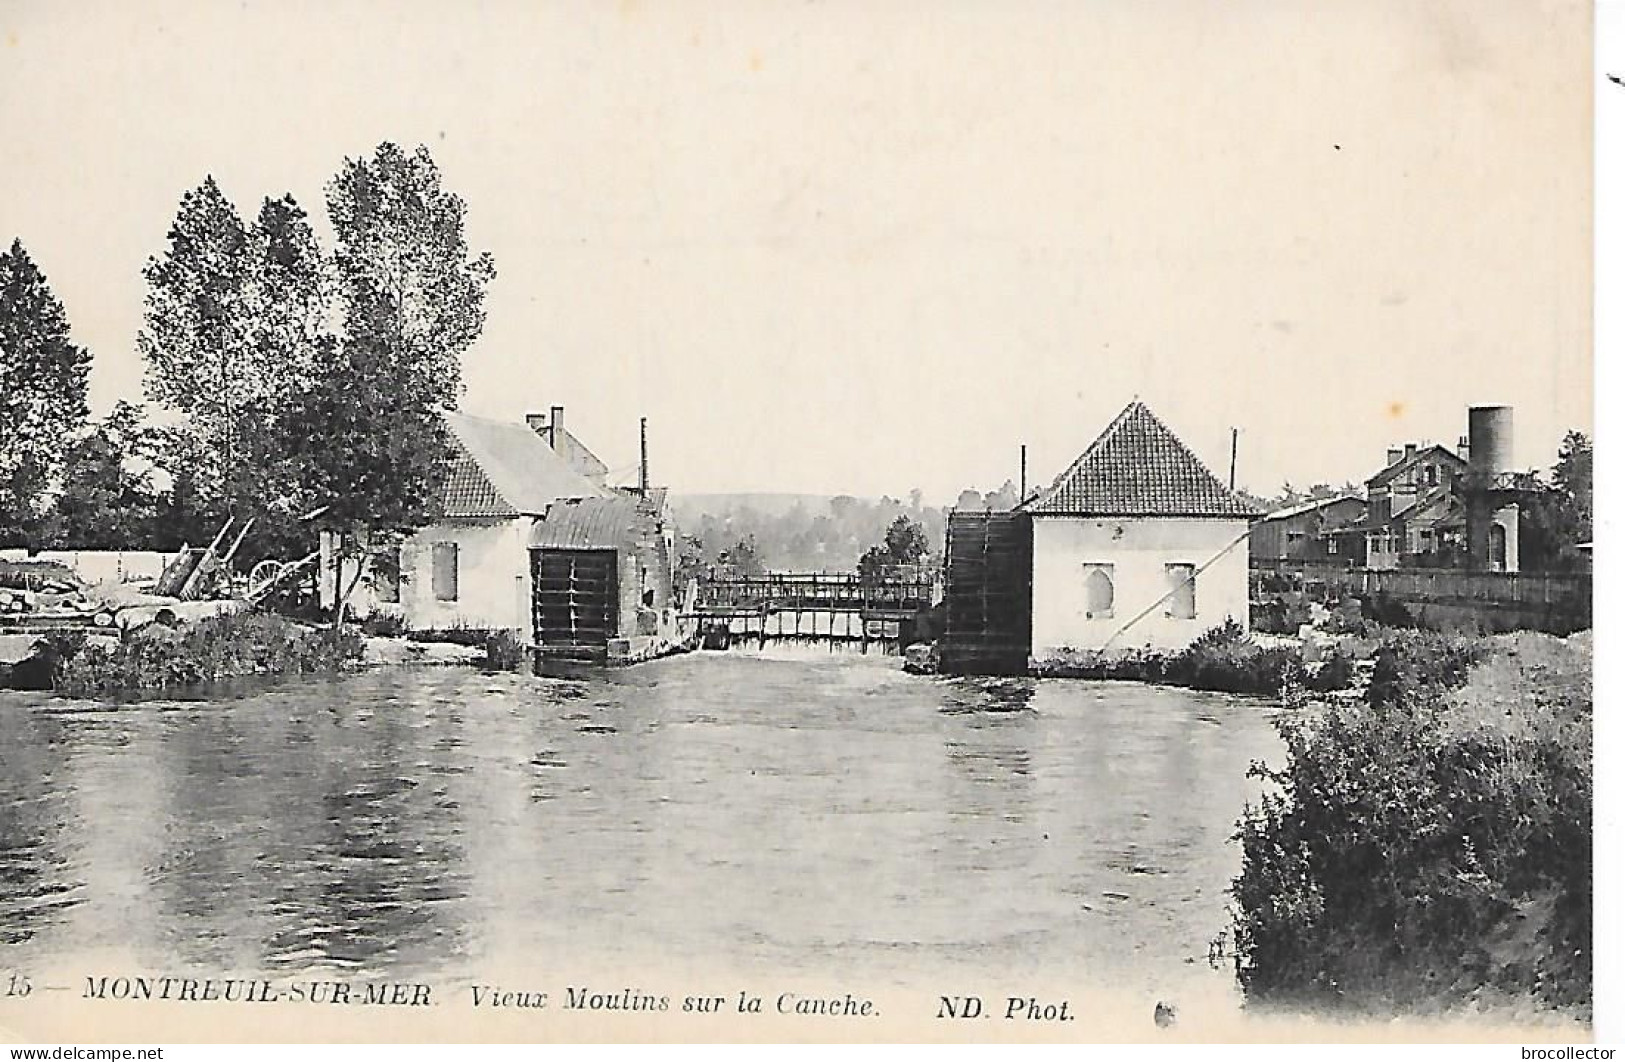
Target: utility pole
<point x="1023" y="496"/>
<point x="1234" y="432"/>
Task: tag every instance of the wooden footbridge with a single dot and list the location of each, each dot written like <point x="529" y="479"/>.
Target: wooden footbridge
<point x="886" y="612"/>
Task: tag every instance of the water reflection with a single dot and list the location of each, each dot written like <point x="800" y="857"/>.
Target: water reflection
<point x="822" y="812"/>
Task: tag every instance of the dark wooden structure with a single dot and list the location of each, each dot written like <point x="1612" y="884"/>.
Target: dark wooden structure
<point x="576" y="600"/>
<point x="987" y="594"/>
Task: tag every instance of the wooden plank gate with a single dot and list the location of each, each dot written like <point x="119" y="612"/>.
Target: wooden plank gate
<point x="988" y="594"/>
<point x="575" y="599"/>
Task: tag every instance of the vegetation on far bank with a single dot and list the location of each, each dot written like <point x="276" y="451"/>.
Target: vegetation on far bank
<point x="214" y="649"/>
<point x="1428" y="845"/>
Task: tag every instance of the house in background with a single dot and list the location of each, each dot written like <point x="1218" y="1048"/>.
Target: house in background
<point x="1136" y="544"/>
<point x="1323" y="531"/>
<point x="1414" y="509"/>
<point x="531" y="540"/>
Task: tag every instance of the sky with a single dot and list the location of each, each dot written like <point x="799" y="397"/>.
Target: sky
<point x="846" y="247"/>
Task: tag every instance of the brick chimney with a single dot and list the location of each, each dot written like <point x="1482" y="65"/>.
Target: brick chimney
<point x="555" y="431"/>
<point x="1410" y="451"/>
<point x="537" y="422"/>
<point x="1395" y="455"/>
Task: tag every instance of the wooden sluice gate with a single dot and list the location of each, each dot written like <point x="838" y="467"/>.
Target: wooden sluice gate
<point x="840" y="611"/>
<point x="988" y="594"/>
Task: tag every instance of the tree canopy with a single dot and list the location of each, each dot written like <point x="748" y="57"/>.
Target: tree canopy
<point x="43" y="380"/>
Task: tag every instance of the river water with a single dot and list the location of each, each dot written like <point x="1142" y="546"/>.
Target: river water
<point x="790" y="812"/>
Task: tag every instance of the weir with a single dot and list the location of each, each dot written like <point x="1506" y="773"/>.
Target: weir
<point x="881" y="613"/>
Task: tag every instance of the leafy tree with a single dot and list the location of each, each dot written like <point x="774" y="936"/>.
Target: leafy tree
<point x="238" y="318"/>
<point x="198" y="339"/>
<point x="411" y="290"/>
<point x="43" y="379"/>
<point x="1572" y="476"/>
<point x="742" y="559"/>
<point x="107" y="499"/>
<point x="1557" y="519"/>
<point x="905" y="544"/>
<point x="367" y="436"/>
<point x="370" y="448"/>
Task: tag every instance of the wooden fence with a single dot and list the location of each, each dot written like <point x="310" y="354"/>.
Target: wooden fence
<point x="1554" y="601"/>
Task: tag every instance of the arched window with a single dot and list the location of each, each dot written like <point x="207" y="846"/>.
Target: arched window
<point x="1098" y="591"/>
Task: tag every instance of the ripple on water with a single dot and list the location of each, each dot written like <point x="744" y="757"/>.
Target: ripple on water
<point x="407" y="820"/>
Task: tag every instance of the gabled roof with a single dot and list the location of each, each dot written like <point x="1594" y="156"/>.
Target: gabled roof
<point x="1310" y="506"/>
<point x="1394" y="470"/>
<point x="505" y="470"/>
<point x="1138" y="467"/>
<point x="575" y="453"/>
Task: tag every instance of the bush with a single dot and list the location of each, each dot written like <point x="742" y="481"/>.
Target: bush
<point x="219" y="647"/>
<point x="1134" y="665"/>
<point x="504" y="651"/>
<point x="474" y="637"/>
<point x="384" y="625"/>
<point x="1226" y="659"/>
<point x="1419" y="849"/>
<point x="1418" y="666"/>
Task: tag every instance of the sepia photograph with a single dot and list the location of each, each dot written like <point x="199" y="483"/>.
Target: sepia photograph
<point x="798" y="521"/>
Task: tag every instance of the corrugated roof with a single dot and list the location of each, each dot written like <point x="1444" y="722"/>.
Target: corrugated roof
<point x="504" y="470"/>
<point x="588" y="523"/>
<point x="1310" y="506"/>
<point x="1138" y="467"/>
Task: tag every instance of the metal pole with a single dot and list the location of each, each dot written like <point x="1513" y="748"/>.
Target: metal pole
<point x="1023" y="496"/>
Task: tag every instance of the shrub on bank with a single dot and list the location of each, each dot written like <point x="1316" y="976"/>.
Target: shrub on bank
<point x="209" y="650"/>
<point x="1428" y="845"/>
<point x="1227" y="660"/>
<point x="1224" y="659"/>
<point x="504" y="651"/>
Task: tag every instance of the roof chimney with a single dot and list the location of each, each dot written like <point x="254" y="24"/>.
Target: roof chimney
<point x="1410" y="451"/>
<point x="537" y="422"/>
<point x="1395" y="455"/>
<point x="1462" y="449"/>
<point x="643" y="456"/>
<point x="555" y="429"/>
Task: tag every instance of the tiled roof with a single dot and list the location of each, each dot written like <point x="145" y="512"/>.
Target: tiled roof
<point x="1138" y="467"/>
<point x="505" y="470"/>
<point x="588" y="523"/>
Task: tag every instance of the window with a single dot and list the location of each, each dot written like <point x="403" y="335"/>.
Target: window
<point x="1331" y="544"/>
<point x="1181" y="590"/>
<point x="445" y="571"/>
<point x="1098" y="591"/>
<point x="386" y="576"/>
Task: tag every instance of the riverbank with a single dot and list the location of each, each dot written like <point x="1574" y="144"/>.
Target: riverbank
<point x="1427" y="846"/>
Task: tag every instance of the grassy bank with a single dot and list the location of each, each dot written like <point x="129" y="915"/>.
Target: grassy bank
<point x="210" y="650"/>
<point x="1429" y="845"/>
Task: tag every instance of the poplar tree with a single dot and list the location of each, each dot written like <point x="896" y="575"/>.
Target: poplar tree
<point x="43" y="382"/>
<point x="412" y="298"/>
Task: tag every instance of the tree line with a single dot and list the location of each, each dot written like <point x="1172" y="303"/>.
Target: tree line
<point x="282" y="378"/>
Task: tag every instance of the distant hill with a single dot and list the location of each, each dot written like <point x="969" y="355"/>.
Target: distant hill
<point x="796" y="532"/>
<point x="809" y="532"/>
